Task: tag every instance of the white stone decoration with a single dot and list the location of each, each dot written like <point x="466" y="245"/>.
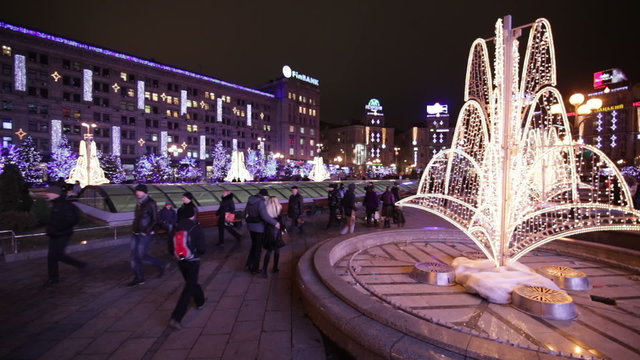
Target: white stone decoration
<point x="319" y="171"/>
<point x="238" y="170"/>
<point x="164" y="143"/>
<point x="140" y="95"/>
<point x="87" y="85"/>
<point x="183" y="102"/>
<point x="56" y="134"/>
<point x="514" y="179"/>
<point x="219" y="110"/>
<point x="115" y="141"/>
<point x="20" y="73"/>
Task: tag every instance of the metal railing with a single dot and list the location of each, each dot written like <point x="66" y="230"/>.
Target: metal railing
<point x="15" y="238"/>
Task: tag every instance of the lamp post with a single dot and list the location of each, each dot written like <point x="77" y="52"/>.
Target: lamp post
<point x="582" y="108"/>
<point x="396" y="150"/>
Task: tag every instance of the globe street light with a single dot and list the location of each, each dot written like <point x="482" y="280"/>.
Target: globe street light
<point x="582" y="108"/>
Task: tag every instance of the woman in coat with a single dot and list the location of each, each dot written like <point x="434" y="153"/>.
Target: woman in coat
<point x="388" y="206"/>
<point x="349" y="209"/>
<point x="273" y="235"/>
<point x="371" y="203"/>
<point x="187" y="203"/>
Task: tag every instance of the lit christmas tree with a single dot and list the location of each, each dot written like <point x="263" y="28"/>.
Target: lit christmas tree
<point x="8" y="155"/>
<point x="63" y="159"/>
<point x="153" y="169"/>
<point x="188" y="170"/>
<point x="112" y="167"/>
<point x="255" y="164"/>
<point x="28" y="161"/>
<point x="271" y="167"/>
<point x="220" y="166"/>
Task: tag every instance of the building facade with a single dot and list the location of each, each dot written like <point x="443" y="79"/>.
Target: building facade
<point x="50" y="86"/>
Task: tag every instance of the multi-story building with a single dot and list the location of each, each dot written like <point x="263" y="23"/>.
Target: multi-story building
<point x="367" y="142"/>
<point x="50" y="86"/>
<point x="422" y="141"/>
<point x="614" y="127"/>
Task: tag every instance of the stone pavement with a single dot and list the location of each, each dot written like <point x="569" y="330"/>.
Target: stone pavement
<point x="93" y="315"/>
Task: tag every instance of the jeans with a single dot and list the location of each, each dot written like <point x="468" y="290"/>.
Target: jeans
<point x="191" y="289"/>
<point x="221" y="228"/>
<point x="139" y="256"/>
<point x="253" y="261"/>
<point x="57" y="245"/>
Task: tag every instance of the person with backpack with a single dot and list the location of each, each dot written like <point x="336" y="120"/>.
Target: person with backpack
<point x="187" y="246"/>
<point x="145" y="219"/>
<point x="64" y="216"/>
<point x="256" y="218"/>
<point x="227" y="206"/>
<point x="334" y="204"/>
<point x="273" y="236"/>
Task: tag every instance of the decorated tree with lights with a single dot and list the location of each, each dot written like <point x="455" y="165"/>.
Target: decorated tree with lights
<point x="63" y="159"/>
<point x="153" y="168"/>
<point x="188" y="170"/>
<point x="8" y="155"/>
<point x="256" y="164"/>
<point x="221" y="163"/>
<point x="28" y="159"/>
<point x="271" y="166"/>
<point x="112" y="167"/>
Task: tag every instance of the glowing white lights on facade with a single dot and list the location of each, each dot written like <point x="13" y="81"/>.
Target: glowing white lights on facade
<point x="140" y="95"/>
<point x="20" y="72"/>
<point x="183" y="102"/>
<point x="237" y="170"/>
<point x="319" y="171"/>
<point x="249" y="115"/>
<point x="164" y="142"/>
<point x="234" y="145"/>
<point x="115" y="141"/>
<point x="87" y="85"/>
<point x="203" y="147"/>
<point x="219" y="110"/>
<point x="56" y="134"/>
<point x="513" y="178"/>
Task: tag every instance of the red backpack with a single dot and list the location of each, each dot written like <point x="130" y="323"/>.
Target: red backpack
<point x="182" y="245"/>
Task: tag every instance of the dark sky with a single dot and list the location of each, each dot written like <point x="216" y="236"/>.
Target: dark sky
<point x="405" y="53"/>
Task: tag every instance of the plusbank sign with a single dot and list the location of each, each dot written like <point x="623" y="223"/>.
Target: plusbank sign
<point x="288" y="72"/>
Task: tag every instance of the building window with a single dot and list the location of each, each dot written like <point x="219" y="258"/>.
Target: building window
<point x="6" y="141"/>
<point x="301" y="130"/>
<point x="301" y="141"/>
<point x="292" y="128"/>
<point x="7" y="124"/>
<point x="6" y="50"/>
<point x="312" y="132"/>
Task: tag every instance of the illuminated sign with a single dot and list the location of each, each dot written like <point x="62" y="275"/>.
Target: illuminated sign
<point x="606" y="77"/>
<point x="374" y="107"/>
<point x="610" y="108"/>
<point x="636" y="104"/>
<point x="437" y="110"/>
<point x="288" y="72"/>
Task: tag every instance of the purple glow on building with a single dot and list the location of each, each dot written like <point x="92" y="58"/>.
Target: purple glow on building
<point x="127" y="57"/>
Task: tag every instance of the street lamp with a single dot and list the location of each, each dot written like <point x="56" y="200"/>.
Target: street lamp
<point x="396" y="150"/>
<point x="582" y="108"/>
<point x="89" y="135"/>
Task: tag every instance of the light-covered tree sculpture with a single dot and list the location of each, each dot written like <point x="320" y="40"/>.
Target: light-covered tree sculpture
<point x="319" y="171"/>
<point x="63" y="159"/>
<point x="238" y="170"/>
<point x="154" y="169"/>
<point x="514" y="179"/>
<point x="112" y="166"/>
<point x="220" y="162"/>
<point x="28" y="159"/>
<point x="188" y="171"/>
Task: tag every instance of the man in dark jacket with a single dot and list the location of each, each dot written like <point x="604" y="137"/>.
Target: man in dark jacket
<point x="189" y="267"/>
<point x="144" y="221"/>
<point x="256" y="217"/>
<point x="295" y="208"/>
<point x="334" y="204"/>
<point x="371" y="204"/>
<point x="64" y="216"/>
<point x="226" y="206"/>
<point x="349" y="209"/>
<point x="168" y="217"/>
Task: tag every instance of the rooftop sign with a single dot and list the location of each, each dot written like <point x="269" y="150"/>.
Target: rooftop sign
<point x="288" y="72"/>
<point x="437" y="110"/>
<point x="374" y="107"/>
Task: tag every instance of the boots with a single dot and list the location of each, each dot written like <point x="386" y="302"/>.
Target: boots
<point x="266" y="264"/>
<point x="276" y="260"/>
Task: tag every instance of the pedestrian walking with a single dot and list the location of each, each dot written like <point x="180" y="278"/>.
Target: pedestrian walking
<point x="256" y="218"/>
<point x="395" y="189"/>
<point x="273" y="236"/>
<point x="371" y="204"/>
<point x="188" y="204"/>
<point x="167" y="217"/>
<point x="341" y="191"/>
<point x="188" y="245"/>
<point x="144" y="221"/>
<point x="334" y="204"/>
<point x="227" y="206"/>
<point x="295" y="208"/>
<point x="64" y="216"/>
<point x="388" y="206"/>
<point x="349" y="209"/>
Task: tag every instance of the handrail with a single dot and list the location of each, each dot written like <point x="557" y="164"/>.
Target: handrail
<point x="14" y="237"/>
<point x="14" y="244"/>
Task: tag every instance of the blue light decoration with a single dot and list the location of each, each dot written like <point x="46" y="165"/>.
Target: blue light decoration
<point x="87" y="85"/>
<point x="20" y="73"/>
<point x="115" y="141"/>
<point x="163" y="142"/>
<point x="56" y="134"/>
<point x="125" y="57"/>
<point x="249" y="115"/>
<point x="219" y="110"/>
<point x="152" y="168"/>
<point x="183" y="102"/>
<point x="203" y="147"/>
<point x="140" y="95"/>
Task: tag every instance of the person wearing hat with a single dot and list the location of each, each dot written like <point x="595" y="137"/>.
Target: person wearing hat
<point x="189" y="267"/>
<point x="64" y="216"/>
<point x="144" y="220"/>
<point x="295" y="208"/>
<point x="167" y="219"/>
<point x="334" y="204"/>
<point x="256" y="218"/>
<point x="187" y="203"/>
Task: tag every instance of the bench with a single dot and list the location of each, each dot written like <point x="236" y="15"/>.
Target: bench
<point x="208" y="218"/>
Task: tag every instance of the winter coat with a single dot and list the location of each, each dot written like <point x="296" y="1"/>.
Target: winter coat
<point x="167" y="217"/>
<point x="388" y="198"/>
<point x="334" y="198"/>
<point x="145" y="216"/>
<point x="396" y="192"/>
<point x="256" y="214"/>
<point x="295" y="206"/>
<point x="226" y="206"/>
<point x="273" y="236"/>
<point x="371" y="200"/>
<point x="64" y="216"/>
<point x="198" y="245"/>
<point x="184" y="207"/>
<point x="349" y="201"/>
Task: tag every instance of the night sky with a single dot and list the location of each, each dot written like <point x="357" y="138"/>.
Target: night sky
<point x="405" y="53"/>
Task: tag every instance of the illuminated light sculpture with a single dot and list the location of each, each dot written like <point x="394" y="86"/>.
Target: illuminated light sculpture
<point x="514" y="179"/>
<point x="238" y="171"/>
<point x="87" y="85"/>
<point x="20" y="73"/>
<point x="183" y="102"/>
<point x="87" y="170"/>
<point x="218" y="110"/>
<point x="140" y="95"/>
<point x="319" y="171"/>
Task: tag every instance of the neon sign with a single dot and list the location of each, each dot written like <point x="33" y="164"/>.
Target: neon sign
<point x="288" y="72"/>
<point x="374" y="106"/>
<point x="606" y="77"/>
<point x="437" y="110"/>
